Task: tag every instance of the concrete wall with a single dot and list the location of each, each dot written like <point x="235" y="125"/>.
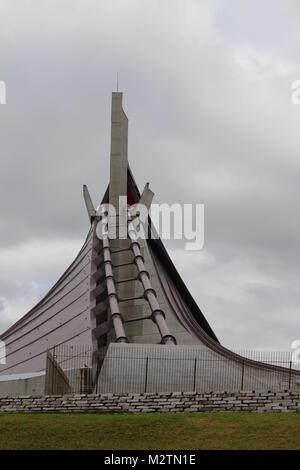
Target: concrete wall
<point x="288" y="402"/>
<point x="33" y="386"/>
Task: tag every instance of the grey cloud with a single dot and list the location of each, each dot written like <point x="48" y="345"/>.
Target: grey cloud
<point x="207" y="92"/>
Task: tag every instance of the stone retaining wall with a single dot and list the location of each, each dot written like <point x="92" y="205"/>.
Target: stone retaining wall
<point x="160" y="402"/>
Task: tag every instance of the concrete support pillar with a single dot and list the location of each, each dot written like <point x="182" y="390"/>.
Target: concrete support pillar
<point x="118" y="152"/>
<point x="117" y="189"/>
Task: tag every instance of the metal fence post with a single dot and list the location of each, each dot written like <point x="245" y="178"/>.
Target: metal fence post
<point x="146" y="374"/>
<point x="195" y="369"/>
<point x="54" y="370"/>
<point x="243" y="371"/>
<point x="290" y="375"/>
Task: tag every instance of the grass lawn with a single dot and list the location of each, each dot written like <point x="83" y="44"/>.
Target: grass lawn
<point x="150" y="431"/>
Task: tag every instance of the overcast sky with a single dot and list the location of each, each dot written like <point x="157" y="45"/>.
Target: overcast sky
<point x="207" y="89"/>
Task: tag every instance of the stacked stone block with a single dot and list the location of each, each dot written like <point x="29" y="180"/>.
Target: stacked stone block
<point x="250" y="401"/>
